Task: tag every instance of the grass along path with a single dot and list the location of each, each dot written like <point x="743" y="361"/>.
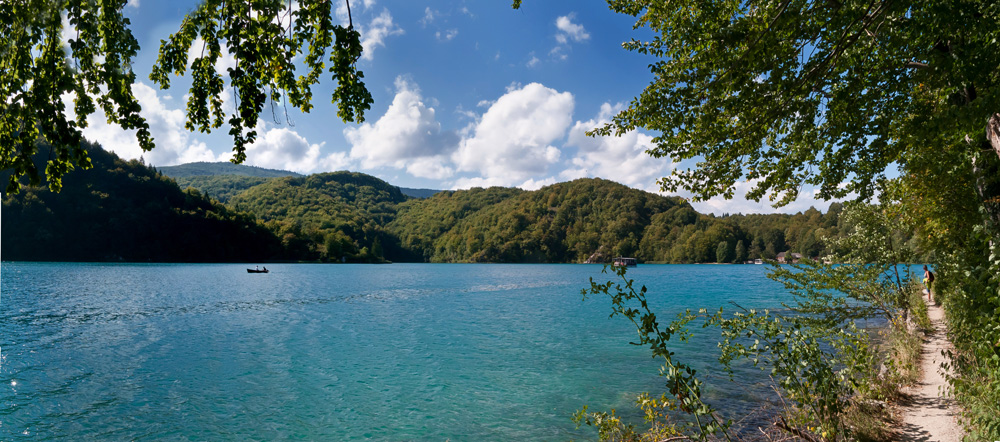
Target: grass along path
<point x="929" y="415"/>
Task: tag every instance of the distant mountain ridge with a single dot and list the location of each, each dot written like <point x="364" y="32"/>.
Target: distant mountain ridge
<point x="203" y="168"/>
<point x="195" y="175"/>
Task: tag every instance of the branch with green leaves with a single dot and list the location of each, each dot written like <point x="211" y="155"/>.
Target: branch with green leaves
<point x="40" y="73"/>
<point x="681" y="381"/>
<point x="786" y="94"/>
<point x="264" y="38"/>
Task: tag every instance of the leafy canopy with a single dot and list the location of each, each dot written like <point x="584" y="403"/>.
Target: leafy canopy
<point x="263" y="36"/>
<point x="798" y="92"/>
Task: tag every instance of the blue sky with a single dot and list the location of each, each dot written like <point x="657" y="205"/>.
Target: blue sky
<point x="467" y="93"/>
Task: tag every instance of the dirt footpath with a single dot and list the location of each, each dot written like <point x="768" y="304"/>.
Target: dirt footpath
<point x="929" y="415"/>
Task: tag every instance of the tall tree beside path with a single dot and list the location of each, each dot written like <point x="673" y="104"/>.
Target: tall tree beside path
<point x="40" y="72"/>
<point x="804" y="92"/>
<point x="772" y="96"/>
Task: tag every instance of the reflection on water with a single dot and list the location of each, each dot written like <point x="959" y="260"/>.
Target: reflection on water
<point x="341" y="352"/>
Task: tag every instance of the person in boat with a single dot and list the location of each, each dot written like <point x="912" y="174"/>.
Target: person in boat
<point x="265" y="269"/>
<point x="256" y="267"/>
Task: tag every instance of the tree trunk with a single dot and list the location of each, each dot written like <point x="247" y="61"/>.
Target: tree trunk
<point x="986" y="177"/>
<point x="993" y="132"/>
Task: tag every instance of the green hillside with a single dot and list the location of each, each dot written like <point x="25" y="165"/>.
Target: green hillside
<point x="594" y="219"/>
<point x="222" y="168"/>
<point x="124" y="210"/>
<point x="565" y="222"/>
<point x="333" y="216"/>
<point x="420" y="223"/>
<point x="220" y="187"/>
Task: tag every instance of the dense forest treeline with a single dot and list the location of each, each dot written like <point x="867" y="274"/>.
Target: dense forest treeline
<point x="125" y="210"/>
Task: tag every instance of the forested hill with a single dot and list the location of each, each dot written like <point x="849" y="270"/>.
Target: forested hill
<point x="566" y="222"/>
<point x="222" y="168"/>
<point x="124" y="210"/>
<point x="331" y="216"/>
<point x="223" y="180"/>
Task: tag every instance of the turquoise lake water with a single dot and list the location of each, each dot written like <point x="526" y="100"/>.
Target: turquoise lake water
<point x="426" y="352"/>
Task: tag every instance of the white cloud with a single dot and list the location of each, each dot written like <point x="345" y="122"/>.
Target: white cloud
<point x="446" y="35"/>
<point x="341" y="11"/>
<point x="739" y="204"/>
<point x="430" y="167"/>
<point x="618" y="158"/>
<point x="533" y="62"/>
<point x="530" y="184"/>
<point x="557" y="53"/>
<point x="468" y="183"/>
<point x="533" y="184"/>
<point x="429" y="15"/>
<point x="511" y="143"/>
<point x="68" y="31"/>
<point x="280" y="148"/>
<point x="283" y="148"/>
<point x="174" y="144"/>
<point x="407" y="137"/>
<point x="375" y="34"/>
<point x="569" y="30"/>
<point x="134" y="4"/>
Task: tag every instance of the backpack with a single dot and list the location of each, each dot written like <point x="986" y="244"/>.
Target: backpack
<point x="930" y="276"/>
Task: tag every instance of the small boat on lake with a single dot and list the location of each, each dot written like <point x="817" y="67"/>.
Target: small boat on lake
<point x="627" y="262"/>
<point x="264" y="270"/>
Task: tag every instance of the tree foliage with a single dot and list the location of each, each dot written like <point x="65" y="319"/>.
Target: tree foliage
<point x="832" y="94"/>
<point x="263" y="36"/>
<point x="38" y="70"/>
<point x="809" y="92"/>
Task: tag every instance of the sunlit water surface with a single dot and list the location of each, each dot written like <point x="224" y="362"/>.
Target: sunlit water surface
<point x="341" y="352"/>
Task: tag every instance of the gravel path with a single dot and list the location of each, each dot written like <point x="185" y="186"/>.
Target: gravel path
<point x="929" y="415"/>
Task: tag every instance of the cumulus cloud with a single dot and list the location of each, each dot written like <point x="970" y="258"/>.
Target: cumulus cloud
<point x="407" y="137"/>
<point x="174" y="144"/>
<point x="279" y="147"/>
<point x="429" y="15"/>
<point x="618" y="158"/>
<point x="533" y="61"/>
<point x="376" y="32"/>
<point x="446" y="35"/>
<point x="511" y="143"/>
<point x="341" y="11"/>
<point x="283" y="148"/>
<point x="739" y="204"/>
<point x="569" y="30"/>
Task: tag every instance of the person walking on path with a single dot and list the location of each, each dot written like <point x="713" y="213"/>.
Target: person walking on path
<point x="928" y="282"/>
<point x="929" y="415"/>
